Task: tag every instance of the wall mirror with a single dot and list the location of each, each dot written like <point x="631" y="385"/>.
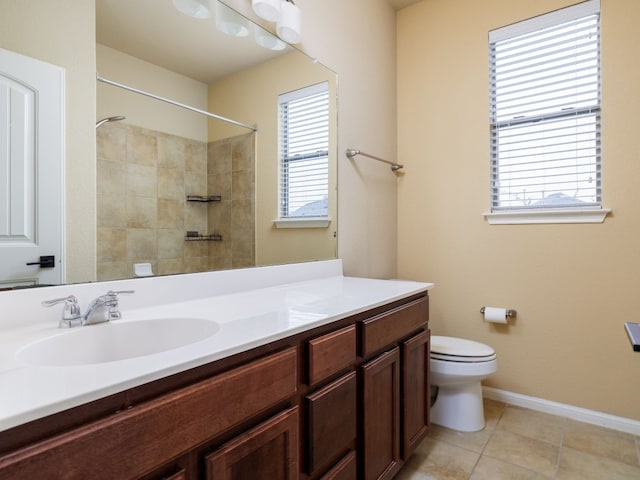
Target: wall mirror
<point x="159" y="156"/>
<point x="149" y="162"/>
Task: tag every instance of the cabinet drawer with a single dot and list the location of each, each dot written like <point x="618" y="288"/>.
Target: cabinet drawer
<point x="331" y="353"/>
<point x="331" y="428"/>
<point x="148" y="435"/>
<point x="382" y="330"/>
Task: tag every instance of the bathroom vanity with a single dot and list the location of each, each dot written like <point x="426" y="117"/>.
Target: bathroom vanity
<point x="309" y="375"/>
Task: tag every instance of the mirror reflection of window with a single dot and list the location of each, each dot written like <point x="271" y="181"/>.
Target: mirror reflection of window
<point x="304" y="152"/>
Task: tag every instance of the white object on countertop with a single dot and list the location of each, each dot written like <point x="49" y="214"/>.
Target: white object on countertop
<point x="142" y="270"/>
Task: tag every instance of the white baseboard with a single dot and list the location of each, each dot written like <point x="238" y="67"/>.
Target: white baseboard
<point x="561" y="409"/>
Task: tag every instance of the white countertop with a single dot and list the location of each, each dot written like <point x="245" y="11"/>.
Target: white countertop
<point x="278" y="302"/>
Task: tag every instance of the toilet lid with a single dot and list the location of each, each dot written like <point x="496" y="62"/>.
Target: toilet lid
<point x="460" y="349"/>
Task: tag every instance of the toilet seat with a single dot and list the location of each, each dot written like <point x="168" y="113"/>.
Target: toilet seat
<point x="452" y="349"/>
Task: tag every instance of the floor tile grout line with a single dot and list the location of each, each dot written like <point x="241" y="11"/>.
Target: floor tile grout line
<point x="497" y="427"/>
<point x="493" y="431"/>
<point x="561" y="447"/>
<point x="604" y="455"/>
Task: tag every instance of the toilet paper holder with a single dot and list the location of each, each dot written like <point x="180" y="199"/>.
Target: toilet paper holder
<point x="510" y="313"/>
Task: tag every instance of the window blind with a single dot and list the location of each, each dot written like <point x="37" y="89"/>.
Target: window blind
<point x="304" y="152"/>
<point x="545" y="111"/>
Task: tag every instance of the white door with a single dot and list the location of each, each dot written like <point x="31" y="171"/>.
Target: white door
<point x="31" y="170"/>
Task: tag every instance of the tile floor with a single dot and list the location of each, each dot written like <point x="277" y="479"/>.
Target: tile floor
<point x="518" y="443"/>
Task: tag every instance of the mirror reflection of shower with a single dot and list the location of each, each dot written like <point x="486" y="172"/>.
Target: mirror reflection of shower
<point x="109" y="119"/>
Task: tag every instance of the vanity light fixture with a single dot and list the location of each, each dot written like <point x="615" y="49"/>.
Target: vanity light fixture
<point x="230" y="22"/>
<point x="268" y="10"/>
<point x="267" y="40"/>
<point x="289" y="26"/>
<point x="194" y="8"/>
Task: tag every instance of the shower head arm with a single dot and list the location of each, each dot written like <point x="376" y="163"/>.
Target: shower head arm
<point x="109" y="119"/>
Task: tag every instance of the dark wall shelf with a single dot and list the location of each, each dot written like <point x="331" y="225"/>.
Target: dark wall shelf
<point x="215" y="237"/>
<point x="204" y="198"/>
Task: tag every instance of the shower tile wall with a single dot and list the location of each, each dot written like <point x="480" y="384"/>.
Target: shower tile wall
<point x="142" y="182"/>
<point x="231" y="173"/>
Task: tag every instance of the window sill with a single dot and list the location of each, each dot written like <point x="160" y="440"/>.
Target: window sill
<point x="302" y="222"/>
<point x="547" y="215"/>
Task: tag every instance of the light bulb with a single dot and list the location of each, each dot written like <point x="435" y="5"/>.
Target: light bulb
<point x="230" y="22"/>
<point x="268" y="10"/>
<point x="193" y="8"/>
<point x="289" y="27"/>
<point x="266" y="40"/>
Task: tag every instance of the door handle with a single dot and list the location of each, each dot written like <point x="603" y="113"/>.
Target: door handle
<point x="46" y="261"/>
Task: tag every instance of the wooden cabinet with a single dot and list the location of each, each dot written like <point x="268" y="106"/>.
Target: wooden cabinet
<point x="381" y="416"/>
<point x="331" y="422"/>
<point x="344" y="401"/>
<point x="395" y="386"/>
<point x="331" y="353"/>
<point x="384" y="329"/>
<point x="181" y="475"/>
<point x="415" y="391"/>
<point x="269" y="450"/>
<point x="345" y="469"/>
<point x="149" y="435"/>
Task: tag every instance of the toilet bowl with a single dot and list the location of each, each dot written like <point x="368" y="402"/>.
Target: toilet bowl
<point x="457" y="367"/>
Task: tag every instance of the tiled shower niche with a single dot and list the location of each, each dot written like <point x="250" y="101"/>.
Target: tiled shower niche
<point x="143" y="179"/>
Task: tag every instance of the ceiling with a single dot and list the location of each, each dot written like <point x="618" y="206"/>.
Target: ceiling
<point x="180" y="43"/>
<point x="189" y="46"/>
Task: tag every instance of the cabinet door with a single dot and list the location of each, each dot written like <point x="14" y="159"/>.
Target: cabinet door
<point x="269" y="450"/>
<point x="331" y="422"/>
<point x="415" y="391"/>
<point x="381" y="416"/>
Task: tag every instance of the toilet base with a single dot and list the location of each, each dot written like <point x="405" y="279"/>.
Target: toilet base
<point x="459" y="407"/>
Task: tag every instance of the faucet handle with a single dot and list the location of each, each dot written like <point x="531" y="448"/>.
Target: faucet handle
<point x="71" y="315"/>
<point x="112" y="296"/>
<point x="120" y="292"/>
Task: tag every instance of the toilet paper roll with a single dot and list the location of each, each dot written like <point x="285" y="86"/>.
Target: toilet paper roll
<point x="495" y="314"/>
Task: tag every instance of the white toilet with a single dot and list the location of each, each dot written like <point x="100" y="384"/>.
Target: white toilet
<point x="457" y="367"/>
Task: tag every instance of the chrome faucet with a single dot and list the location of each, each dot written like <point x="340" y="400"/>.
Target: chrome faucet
<point x="102" y="309"/>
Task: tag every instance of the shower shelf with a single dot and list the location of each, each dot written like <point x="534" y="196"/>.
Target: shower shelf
<point x="215" y="237"/>
<point x="204" y="198"/>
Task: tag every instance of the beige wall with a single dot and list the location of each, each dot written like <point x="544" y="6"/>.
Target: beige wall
<point x="573" y="285"/>
<point x="356" y="39"/>
<point x="251" y="96"/>
<point x="144" y="111"/>
<point x="63" y="33"/>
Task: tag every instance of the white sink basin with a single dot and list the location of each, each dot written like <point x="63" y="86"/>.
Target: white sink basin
<point x="117" y="340"/>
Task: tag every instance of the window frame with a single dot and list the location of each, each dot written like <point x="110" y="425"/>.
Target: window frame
<point x="590" y="213"/>
<point x="285" y="219"/>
